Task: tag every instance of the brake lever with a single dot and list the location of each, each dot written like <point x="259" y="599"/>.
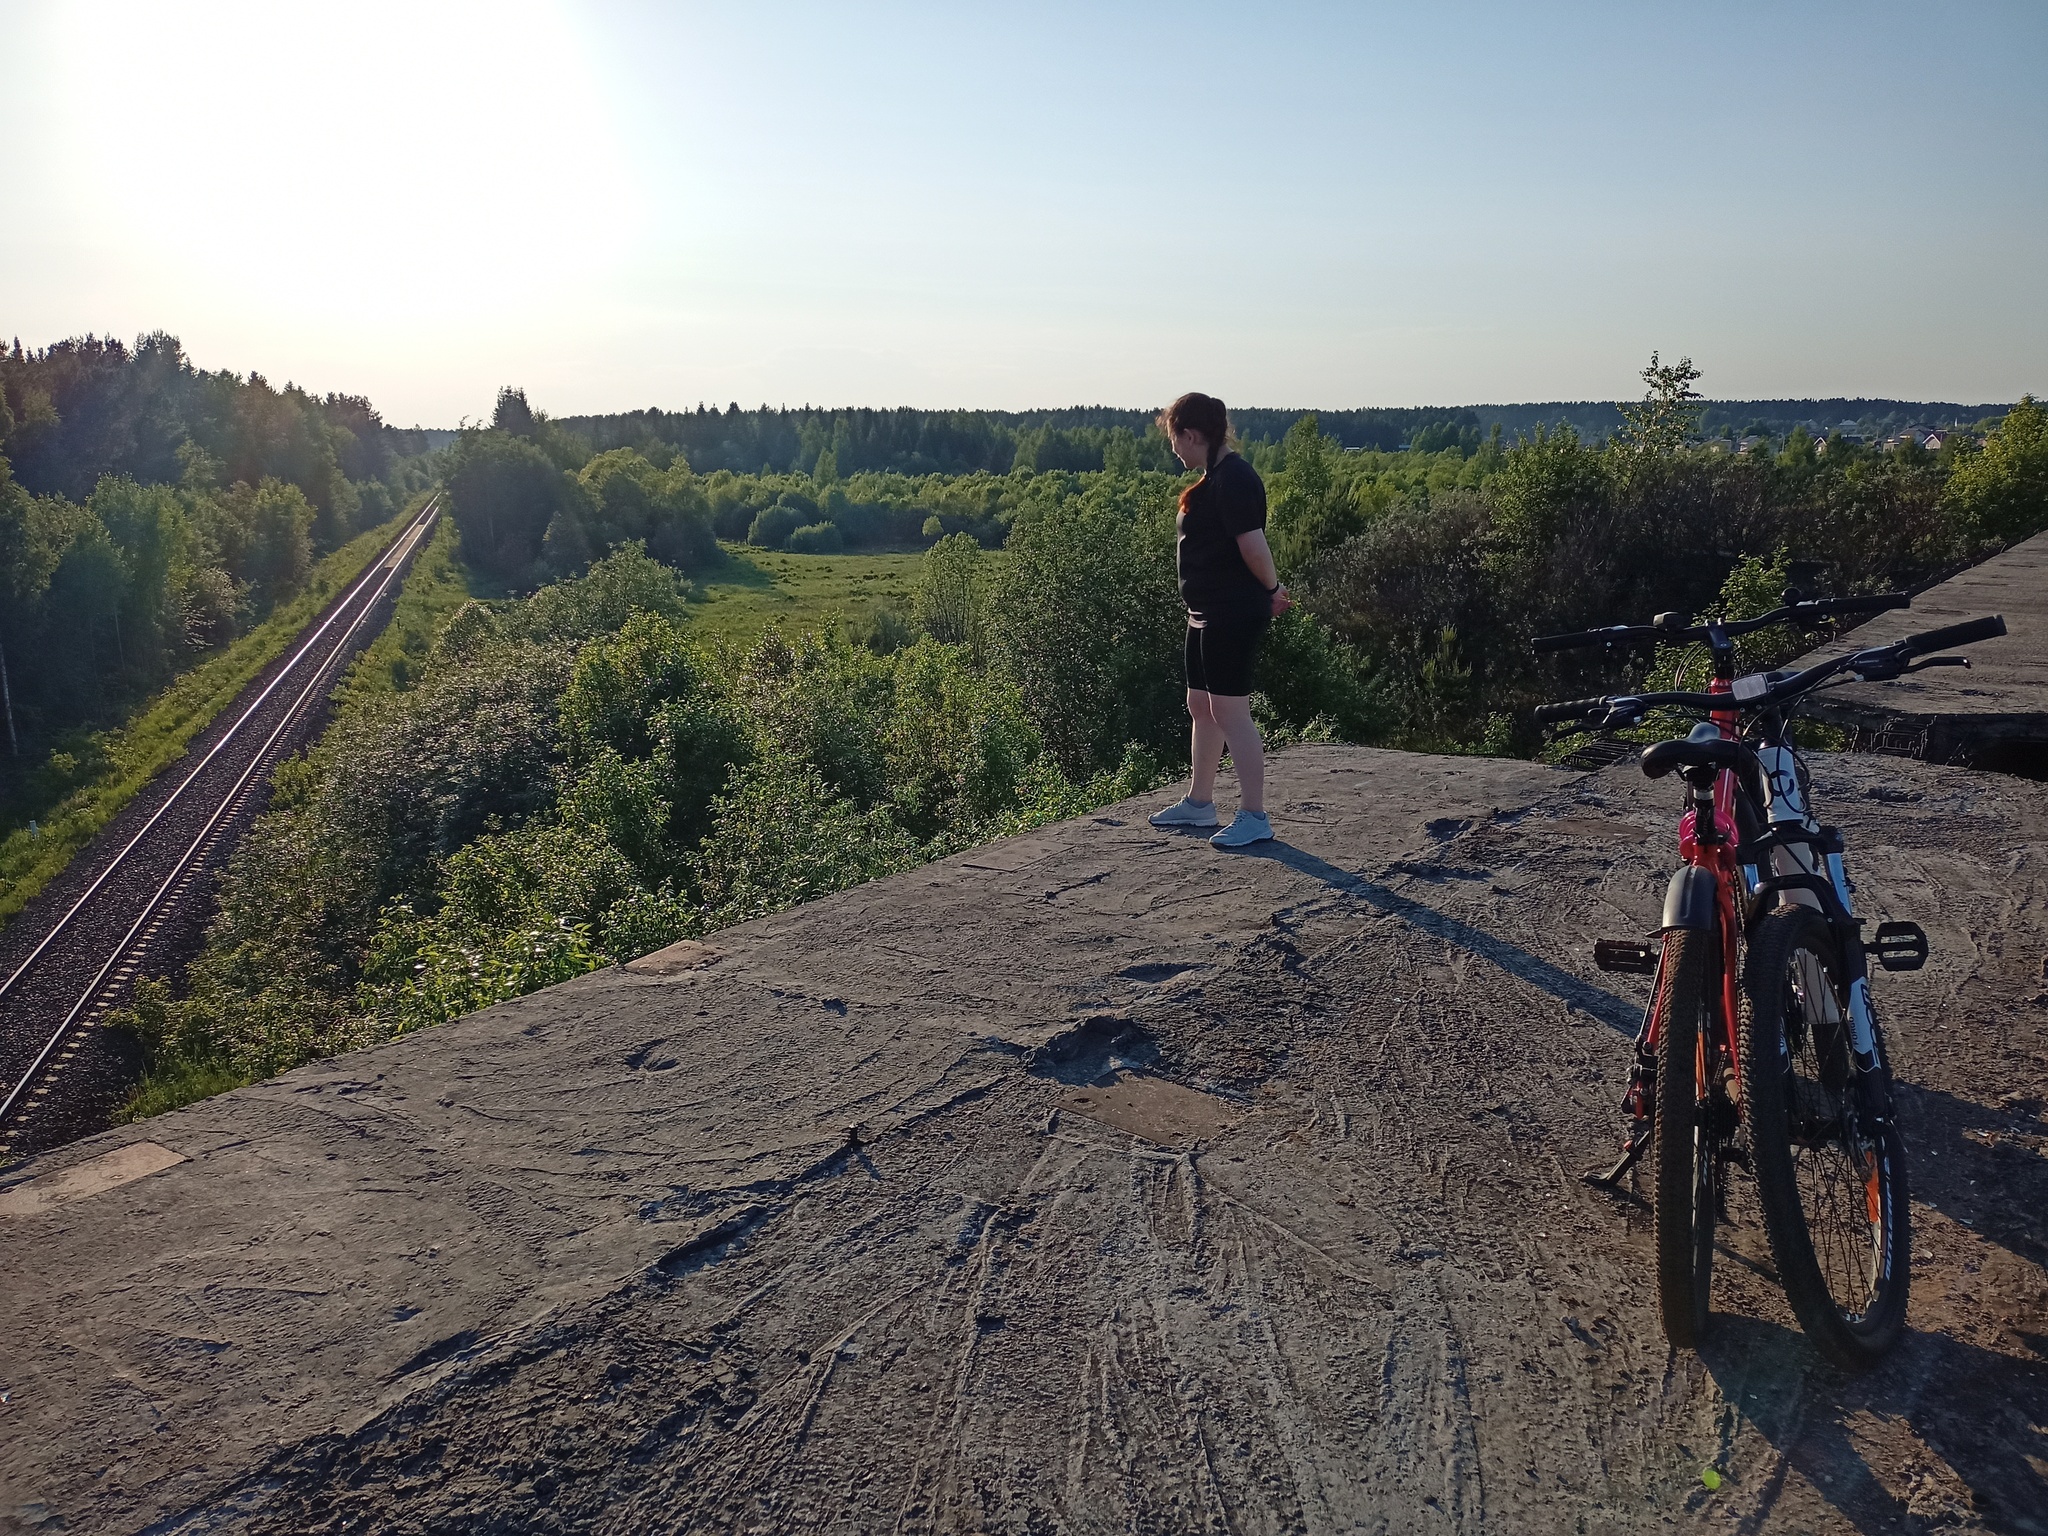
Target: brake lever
<point x="1623" y="712"/>
<point x="1938" y="661"/>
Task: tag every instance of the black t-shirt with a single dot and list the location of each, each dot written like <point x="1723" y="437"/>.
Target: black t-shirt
<point x="1215" y="583"/>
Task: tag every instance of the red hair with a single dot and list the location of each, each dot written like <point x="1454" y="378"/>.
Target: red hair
<point x="1197" y="412"/>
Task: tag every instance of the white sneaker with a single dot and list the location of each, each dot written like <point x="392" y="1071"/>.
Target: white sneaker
<point x="1186" y="813"/>
<point x="1246" y="828"/>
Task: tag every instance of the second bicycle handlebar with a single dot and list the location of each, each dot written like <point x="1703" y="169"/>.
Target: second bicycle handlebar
<point x="1636" y="634"/>
<point x="1769" y="690"/>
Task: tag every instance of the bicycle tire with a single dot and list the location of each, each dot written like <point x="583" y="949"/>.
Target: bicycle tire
<point x="1682" y="1153"/>
<point x="1822" y="1169"/>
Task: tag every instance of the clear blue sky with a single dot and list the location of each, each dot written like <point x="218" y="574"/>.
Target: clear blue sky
<point x="619" y="205"/>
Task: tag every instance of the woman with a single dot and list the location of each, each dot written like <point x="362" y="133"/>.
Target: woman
<point x="1232" y="594"/>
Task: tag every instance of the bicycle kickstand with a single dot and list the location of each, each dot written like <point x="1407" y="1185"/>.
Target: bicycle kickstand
<point x="1638" y="1142"/>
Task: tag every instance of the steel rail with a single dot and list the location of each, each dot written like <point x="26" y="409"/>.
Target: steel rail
<point x="383" y="572"/>
<point x="369" y="575"/>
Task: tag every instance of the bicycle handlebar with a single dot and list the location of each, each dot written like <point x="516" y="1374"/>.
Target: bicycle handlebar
<point x="1965" y="633"/>
<point x="1877" y="663"/>
<point x="1635" y="634"/>
<point x="1571" y="709"/>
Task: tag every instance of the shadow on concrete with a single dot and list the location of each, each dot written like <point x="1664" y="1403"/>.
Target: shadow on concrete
<point x="1617" y="1013"/>
<point x="1978" y="1411"/>
<point x="1970" y="1163"/>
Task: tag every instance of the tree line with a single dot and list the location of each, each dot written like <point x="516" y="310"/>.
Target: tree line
<point x="150" y="512"/>
<point x="830" y="443"/>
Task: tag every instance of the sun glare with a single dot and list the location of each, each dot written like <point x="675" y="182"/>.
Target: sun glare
<point x="394" y="159"/>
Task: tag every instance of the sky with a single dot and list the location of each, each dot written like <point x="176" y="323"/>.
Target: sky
<point x="617" y="205"/>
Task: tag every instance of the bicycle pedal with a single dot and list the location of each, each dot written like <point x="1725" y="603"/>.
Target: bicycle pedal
<point x="1900" y="946"/>
<point x="1625" y="955"/>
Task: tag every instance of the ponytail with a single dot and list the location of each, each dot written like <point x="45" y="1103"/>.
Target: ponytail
<point x="1196" y="412"/>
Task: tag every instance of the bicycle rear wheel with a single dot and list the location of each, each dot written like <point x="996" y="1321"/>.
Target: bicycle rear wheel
<point x="1683" y="1153"/>
<point x="1830" y="1174"/>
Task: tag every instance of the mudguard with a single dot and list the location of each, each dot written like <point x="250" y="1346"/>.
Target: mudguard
<point x="1689" y="901"/>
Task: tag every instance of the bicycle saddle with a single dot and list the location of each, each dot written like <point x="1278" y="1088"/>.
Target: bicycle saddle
<point x="1704" y="748"/>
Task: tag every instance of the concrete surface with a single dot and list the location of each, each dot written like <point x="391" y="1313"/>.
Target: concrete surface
<point x="1995" y="715"/>
<point x="1093" y="1180"/>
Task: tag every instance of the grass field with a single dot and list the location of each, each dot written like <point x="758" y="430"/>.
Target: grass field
<point x="758" y="590"/>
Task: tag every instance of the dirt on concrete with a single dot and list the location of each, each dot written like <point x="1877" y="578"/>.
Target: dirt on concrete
<point x="1093" y="1180"/>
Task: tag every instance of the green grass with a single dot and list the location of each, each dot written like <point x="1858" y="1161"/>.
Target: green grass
<point x="757" y="590"/>
<point x="435" y="587"/>
<point x="116" y="763"/>
<point x="180" y="1083"/>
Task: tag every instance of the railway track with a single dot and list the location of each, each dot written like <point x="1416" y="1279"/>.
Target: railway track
<point x="136" y="902"/>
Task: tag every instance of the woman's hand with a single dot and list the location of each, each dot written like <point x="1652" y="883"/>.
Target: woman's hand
<point x="1281" y="601"/>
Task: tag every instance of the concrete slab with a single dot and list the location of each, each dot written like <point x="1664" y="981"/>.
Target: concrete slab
<point x="1091" y="1180"/>
<point x="1995" y="715"/>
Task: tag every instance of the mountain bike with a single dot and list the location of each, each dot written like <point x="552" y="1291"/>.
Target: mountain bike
<point x="1760" y="1048"/>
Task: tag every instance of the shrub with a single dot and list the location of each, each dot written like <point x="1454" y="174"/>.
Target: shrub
<point x="948" y="598"/>
<point x="817" y="539"/>
<point x="781" y="837"/>
<point x="2001" y="491"/>
<point x="1085" y="616"/>
<point x="881" y="630"/>
<point x="772" y="527"/>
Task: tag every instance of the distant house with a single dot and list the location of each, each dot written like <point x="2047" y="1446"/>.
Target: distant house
<point x="1748" y="443"/>
<point x="1933" y="440"/>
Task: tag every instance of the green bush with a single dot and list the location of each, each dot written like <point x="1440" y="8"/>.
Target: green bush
<point x="2001" y="491"/>
<point x="781" y="836"/>
<point x="772" y="526"/>
<point x="817" y="539"/>
<point x="948" y="600"/>
<point x="1085" y="616"/>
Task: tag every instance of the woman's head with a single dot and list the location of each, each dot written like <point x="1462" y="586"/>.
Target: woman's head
<point x="1198" y="427"/>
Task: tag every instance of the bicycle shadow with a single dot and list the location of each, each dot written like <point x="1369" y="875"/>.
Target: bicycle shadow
<point x="1980" y="1412"/>
<point x="1615" y="1012"/>
<point x="1968" y="1163"/>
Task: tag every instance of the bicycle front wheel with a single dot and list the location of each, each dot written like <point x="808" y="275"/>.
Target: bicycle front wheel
<point x="1683" y="1152"/>
<point x="1829" y="1162"/>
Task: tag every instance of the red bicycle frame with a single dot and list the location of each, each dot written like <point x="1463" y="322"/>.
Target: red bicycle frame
<point x="1716" y="855"/>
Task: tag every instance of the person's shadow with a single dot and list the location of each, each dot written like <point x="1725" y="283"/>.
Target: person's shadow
<point x="1618" y="1013"/>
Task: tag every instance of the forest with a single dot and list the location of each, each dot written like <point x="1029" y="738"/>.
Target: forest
<point x="564" y="776"/>
<point x="150" y="512"/>
<point x="837" y="443"/>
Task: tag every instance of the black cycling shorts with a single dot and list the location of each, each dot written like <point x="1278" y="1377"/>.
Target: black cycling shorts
<point x="1220" y="654"/>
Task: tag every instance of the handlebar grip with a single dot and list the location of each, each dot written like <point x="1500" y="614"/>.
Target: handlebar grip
<point x="1617" y="634"/>
<point x="1956" y="634"/>
<point x="1876" y="602"/>
<point x="1573" y="709"/>
<point x="1565" y="642"/>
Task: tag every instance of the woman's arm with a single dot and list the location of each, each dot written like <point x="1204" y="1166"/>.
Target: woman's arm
<point x="1252" y="546"/>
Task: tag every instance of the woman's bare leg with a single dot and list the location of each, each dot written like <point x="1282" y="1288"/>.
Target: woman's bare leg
<point x="1207" y="748"/>
<point x="1233" y="720"/>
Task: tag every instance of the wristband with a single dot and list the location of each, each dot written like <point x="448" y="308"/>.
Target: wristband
<point x="1274" y="589"/>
